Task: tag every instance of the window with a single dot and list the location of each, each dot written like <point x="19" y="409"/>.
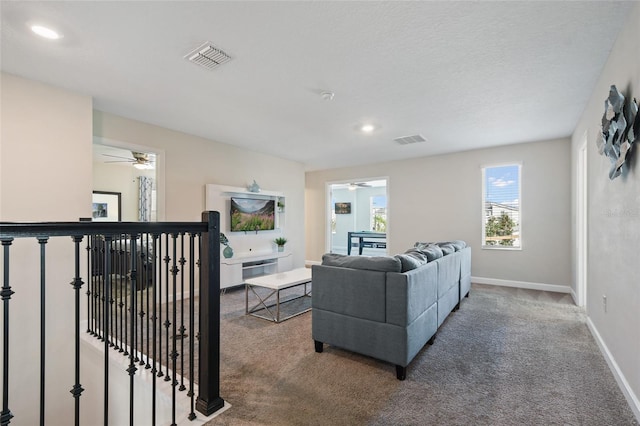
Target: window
<point x="501" y="200"/>
<point x="378" y="218"/>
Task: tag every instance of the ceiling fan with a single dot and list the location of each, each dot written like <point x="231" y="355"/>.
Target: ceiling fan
<point x="355" y="185"/>
<point x="140" y="160"/>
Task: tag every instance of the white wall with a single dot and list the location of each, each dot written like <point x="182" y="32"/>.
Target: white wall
<point x="614" y="221"/>
<point x="344" y="222"/>
<point x="439" y="198"/>
<point x="123" y="179"/>
<point x="45" y="175"/>
<point x="191" y="162"/>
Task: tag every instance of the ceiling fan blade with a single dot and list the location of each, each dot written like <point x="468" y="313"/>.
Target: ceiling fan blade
<point x="117" y="156"/>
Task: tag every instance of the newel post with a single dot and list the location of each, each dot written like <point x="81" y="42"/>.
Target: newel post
<point x="209" y="400"/>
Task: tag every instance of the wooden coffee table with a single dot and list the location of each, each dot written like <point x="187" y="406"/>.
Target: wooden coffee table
<point x="276" y="283"/>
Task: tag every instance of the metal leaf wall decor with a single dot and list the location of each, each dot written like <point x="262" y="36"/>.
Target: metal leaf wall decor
<point x="620" y="129"/>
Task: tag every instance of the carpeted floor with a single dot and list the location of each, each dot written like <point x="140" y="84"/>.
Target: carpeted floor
<point x="505" y="358"/>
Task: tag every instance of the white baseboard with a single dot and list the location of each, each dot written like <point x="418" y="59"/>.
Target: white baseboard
<point x="309" y="263"/>
<point x="574" y="296"/>
<point x="631" y="397"/>
<point x="522" y="284"/>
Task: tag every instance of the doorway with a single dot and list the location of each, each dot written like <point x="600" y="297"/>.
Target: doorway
<point x="133" y="172"/>
<point x="358" y="217"/>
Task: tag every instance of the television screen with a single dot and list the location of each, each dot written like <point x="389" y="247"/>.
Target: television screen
<point x="251" y="214"/>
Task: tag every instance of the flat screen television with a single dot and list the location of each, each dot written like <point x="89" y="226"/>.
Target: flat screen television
<point x="252" y="214"/>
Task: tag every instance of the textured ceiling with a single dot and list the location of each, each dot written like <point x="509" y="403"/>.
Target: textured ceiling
<point x="464" y="75"/>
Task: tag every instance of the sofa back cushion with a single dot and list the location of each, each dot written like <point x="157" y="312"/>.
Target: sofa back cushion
<point x="411" y="259"/>
<point x="457" y="244"/>
<point x="447" y="249"/>
<point x="448" y="273"/>
<point x="373" y="263"/>
<point x="432" y="251"/>
<point x="352" y="292"/>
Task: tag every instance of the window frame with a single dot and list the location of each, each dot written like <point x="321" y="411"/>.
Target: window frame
<point x="483" y="210"/>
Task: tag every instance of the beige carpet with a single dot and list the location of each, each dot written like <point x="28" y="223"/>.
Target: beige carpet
<point x="503" y="359"/>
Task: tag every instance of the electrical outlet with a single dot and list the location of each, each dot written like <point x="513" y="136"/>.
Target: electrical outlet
<point x="604" y="302"/>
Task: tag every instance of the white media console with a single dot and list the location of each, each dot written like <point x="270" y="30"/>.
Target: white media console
<point x="234" y="271"/>
<point x="254" y="252"/>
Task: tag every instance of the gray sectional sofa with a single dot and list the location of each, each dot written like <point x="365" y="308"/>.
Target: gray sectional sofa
<point x="388" y="307"/>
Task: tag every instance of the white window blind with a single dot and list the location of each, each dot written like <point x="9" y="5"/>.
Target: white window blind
<point x="501" y="201"/>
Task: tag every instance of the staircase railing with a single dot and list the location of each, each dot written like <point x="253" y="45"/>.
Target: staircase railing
<point x="142" y="282"/>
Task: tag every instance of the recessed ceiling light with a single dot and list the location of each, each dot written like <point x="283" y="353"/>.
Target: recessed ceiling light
<point x="46" y="32"/>
<point x="367" y="128"/>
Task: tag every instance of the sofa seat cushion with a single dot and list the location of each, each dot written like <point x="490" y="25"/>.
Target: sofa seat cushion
<point x="373" y="263"/>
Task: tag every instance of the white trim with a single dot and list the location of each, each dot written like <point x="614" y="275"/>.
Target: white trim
<point x="309" y="263"/>
<point x="159" y="172"/>
<point x="522" y="284"/>
<point x="581" y="225"/>
<point x="574" y="296"/>
<point x="632" y="399"/>
<point x="484" y="191"/>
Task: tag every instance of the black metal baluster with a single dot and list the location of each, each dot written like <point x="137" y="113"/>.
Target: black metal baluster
<point x="110" y="294"/>
<point x="154" y="322"/>
<point x="117" y="264"/>
<point x="77" y="389"/>
<point x="174" y="353"/>
<point x="147" y="283"/>
<point x="190" y="393"/>
<point x="132" y="358"/>
<point x="159" y="282"/>
<point x="95" y="279"/>
<point x="100" y="292"/>
<point x="105" y="331"/>
<point x="43" y="281"/>
<point x="167" y="324"/>
<point x="127" y="313"/>
<point x="115" y="286"/>
<point x="90" y="275"/>
<point x="141" y="286"/>
<point x="122" y="293"/>
<point x="182" y="329"/>
<point x="5" y="416"/>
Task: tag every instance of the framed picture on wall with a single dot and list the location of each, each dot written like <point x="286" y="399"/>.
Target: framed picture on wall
<point x="106" y="206"/>
<point x="343" y="208"/>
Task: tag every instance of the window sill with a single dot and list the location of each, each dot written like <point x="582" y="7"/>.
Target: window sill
<point x="502" y="248"/>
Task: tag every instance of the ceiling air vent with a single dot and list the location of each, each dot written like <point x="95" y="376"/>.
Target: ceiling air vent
<point x="208" y="56"/>
<point x="406" y="140"/>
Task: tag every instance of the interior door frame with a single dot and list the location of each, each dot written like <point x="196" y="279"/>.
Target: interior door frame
<point x="160" y="171"/>
<point x="582" y="241"/>
<point x="328" y="192"/>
